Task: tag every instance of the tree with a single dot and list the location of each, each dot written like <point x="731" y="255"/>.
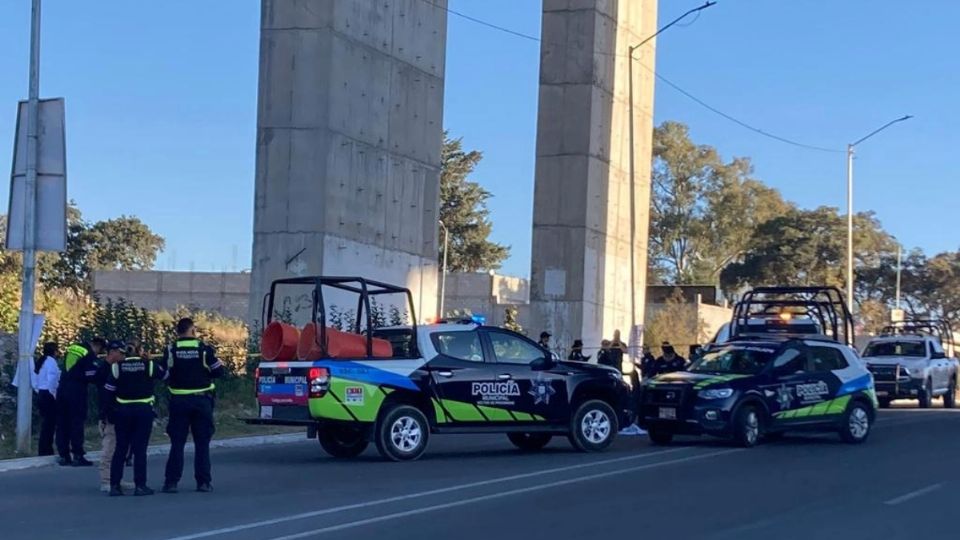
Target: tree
<point x="463" y="210"/>
<point x="808" y="247"/>
<point x="511" y="320"/>
<point x="704" y="211"/>
<point x="676" y="322"/>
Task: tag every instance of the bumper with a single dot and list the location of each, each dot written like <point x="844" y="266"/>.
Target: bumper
<point x="904" y="389"/>
<point x="689" y="416"/>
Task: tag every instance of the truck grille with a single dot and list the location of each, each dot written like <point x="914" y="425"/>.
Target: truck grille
<point x="668" y="395"/>
<point x="884" y="373"/>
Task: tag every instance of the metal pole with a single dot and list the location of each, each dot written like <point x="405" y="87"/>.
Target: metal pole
<point x="633" y="203"/>
<point x="899" y="270"/>
<point x="850" y="227"/>
<point x="24" y="391"/>
<point x="443" y="275"/>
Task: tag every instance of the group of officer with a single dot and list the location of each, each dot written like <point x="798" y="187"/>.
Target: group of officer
<point x="188" y="367"/>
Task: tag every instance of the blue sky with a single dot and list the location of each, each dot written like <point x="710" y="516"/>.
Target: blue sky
<point x="161" y="108"/>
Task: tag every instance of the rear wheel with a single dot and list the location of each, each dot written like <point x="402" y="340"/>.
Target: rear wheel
<point x="529" y="442"/>
<point x="402" y="433"/>
<point x="926" y="395"/>
<point x="594" y="426"/>
<point x="342" y="441"/>
<point x="950" y="398"/>
<point x="746" y="426"/>
<point x="856" y="423"/>
<point x="660" y="436"/>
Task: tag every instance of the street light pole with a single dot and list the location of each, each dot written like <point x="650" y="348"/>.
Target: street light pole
<point x="633" y="184"/>
<point x="850" y="149"/>
<point x="25" y="332"/>
<point x="443" y="275"/>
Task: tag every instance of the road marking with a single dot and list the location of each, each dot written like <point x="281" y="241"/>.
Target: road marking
<point x="913" y="495"/>
<point x="472" y="500"/>
<point x="398" y="498"/>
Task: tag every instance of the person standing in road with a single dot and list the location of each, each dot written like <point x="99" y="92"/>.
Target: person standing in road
<point x="544" y="342"/>
<point x="79" y="370"/>
<point x="131" y="380"/>
<point x="576" y="352"/>
<point x="191" y="367"/>
<point x="648" y="364"/>
<point x="46" y="380"/>
<point x="670" y="361"/>
<point x="108" y="433"/>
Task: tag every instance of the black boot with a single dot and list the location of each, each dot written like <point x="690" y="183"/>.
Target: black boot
<point x="205" y="488"/>
<point x="116" y="491"/>
<point x="81" y="461"/>
<point x="169" y="487"/>
<point x="142" y="491"/>
<point x="65" y="462"/>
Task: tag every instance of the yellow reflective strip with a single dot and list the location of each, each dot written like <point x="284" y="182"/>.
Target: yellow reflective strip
<point x="192" y="391"/>
<point x="187" y="343"/>
<point x="115" y="369"/>
<point x="148" y="400"/>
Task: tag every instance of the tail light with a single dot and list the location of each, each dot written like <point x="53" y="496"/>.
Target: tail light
<point x="319" y="379"/>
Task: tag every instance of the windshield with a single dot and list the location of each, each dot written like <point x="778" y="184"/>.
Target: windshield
<point x="742" y="360"/>
<point x="896" y="348"/>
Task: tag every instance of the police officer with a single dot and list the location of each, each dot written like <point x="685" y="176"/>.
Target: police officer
<point x="670" y="361"/>
<point x="191" y="367"/>
<point x="79" y="370"/>
<point x="131" y="380"/>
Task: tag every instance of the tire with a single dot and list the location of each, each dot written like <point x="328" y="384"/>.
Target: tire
<point x="747" y="426"/>
<point x="660" y="436"/>
<point x="529" y="442"/>
<point x="856" y="423"/>
<point x="402" y="433"/>
<point x="926" y="395"/>
<point x="594" y="426"/>
<point x="342" y="441"/>
<point x="884" y="403"/>
<point x="950" y="398"/>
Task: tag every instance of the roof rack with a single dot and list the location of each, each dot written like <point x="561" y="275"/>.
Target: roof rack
<point x="938" y="328"/>
<point x="824" y="306"/>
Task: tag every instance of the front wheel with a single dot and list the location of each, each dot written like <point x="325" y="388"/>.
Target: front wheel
<point x="342" y="441"/>
<point x="402" y="433"/>
<point x="746" y="427"/>
<point x="926" y="395"/>
<point x="950" y="398"/>
<point x="594" y="426"/>
<point x="529" y="442"/>
<point x="856" y="424"/>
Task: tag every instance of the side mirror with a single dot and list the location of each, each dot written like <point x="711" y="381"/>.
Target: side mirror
<point x="541" y="364"/>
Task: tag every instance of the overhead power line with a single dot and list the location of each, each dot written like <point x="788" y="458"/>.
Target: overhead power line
<point x="668" y="82"/>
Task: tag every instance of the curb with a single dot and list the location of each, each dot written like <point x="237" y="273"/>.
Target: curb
<point x="157" y="450"/>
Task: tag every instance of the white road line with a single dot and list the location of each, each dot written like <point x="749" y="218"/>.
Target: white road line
<point x="913" y="495"/>
<point x="398" y="498"/>
<point x="472" y="500"/>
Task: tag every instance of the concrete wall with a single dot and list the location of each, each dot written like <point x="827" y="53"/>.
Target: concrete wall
<point x="489" y="295"/>
<point x="349" y="131"/>
<point x="580" y="272"/>
<point x="224" y="293"/>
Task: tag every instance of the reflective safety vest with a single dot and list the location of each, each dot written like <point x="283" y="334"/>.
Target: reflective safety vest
<point x="187" y="368"/>
<point x="74" y="353"/>
<point x="134" y="378"/>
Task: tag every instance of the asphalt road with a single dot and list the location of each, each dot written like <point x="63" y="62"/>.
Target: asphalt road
<point x="903" y="483"/>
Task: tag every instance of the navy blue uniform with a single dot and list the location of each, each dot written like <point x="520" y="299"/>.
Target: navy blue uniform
<point x="79" y="370"/>
<point x="190" y="367"/>
<point x="132" y="381"/>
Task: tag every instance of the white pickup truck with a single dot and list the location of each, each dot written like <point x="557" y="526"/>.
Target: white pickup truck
<point x="907" y="365"/>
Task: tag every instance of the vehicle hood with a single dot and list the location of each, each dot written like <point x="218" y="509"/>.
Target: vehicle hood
<point x="697" y="380"/>
<point x="567" y="366"/>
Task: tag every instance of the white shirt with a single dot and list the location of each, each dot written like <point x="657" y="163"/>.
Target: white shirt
<point x="48" y="378"/>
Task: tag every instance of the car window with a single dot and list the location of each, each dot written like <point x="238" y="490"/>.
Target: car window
<point x="508" y="349"/>
<point x="935" y="347"/>
<point x="733" y="359"/>
<point x="789" y="361"/>
<point x="459" y="345"/>
<point x="827" y="359"/>
<point x="896" y="348"/>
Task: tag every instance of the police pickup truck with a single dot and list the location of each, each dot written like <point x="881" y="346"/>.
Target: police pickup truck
<point x="769" y="378"/>
<point x="913" y="359"/>
<point x="441" y="378"/>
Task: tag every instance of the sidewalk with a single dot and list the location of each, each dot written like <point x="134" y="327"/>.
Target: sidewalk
<point x="157" y="450"/>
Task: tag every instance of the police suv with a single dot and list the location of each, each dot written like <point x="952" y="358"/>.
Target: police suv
<point x="786" y="366"/>
<point x="914" y="359"/>
<point x="436" y="379"/>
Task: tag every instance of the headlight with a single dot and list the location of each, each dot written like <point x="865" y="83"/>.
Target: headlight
<point x="716" y="393"/>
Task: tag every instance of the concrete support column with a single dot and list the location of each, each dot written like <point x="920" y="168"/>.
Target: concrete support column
<point x="349" y="132"/>
<point x="580" y="275"/>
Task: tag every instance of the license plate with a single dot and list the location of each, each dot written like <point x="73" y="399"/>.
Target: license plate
<point x="668" y="413"/>
<point x="266" y="411"/>
<point x="882" y="393"/>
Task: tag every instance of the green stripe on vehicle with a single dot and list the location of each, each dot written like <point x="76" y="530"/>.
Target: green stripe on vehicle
<point x="462" y="412"/>
<point x="839" y="405"/>
<point x="496" y="415"/>
<point x="439" y="412"/>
